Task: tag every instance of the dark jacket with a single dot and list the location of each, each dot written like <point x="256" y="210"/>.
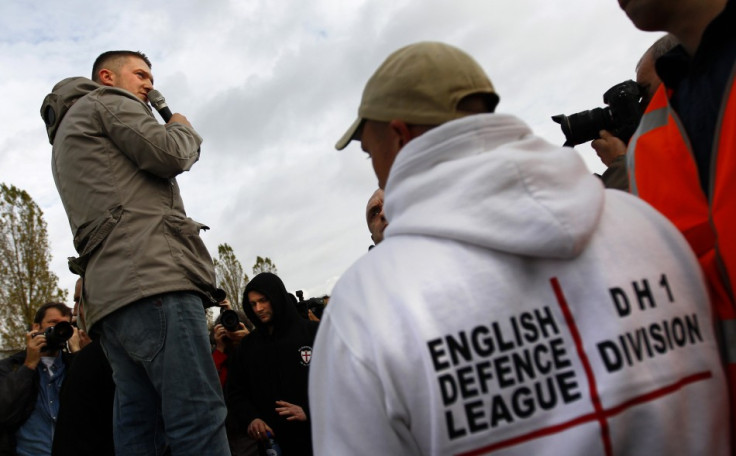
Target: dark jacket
<point x="18" y="390"/>
<point x="273" y="366"/>
<point x="84" y="424"/>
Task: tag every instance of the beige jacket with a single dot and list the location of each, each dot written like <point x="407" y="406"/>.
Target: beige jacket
<point x="114" y="166"/>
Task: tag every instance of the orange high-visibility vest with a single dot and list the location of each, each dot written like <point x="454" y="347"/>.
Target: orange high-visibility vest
<point x="663" y="172"/>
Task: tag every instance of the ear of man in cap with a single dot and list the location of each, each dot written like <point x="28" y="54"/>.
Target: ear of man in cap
<point x="421" y="84"/>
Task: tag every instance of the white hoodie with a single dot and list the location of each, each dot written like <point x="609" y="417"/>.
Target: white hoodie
<point x="516" y="307"/>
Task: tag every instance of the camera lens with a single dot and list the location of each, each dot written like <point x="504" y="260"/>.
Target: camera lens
<point x="56" y="336"/>
<point x="584" y="126"/>
<point x="229" y="320"/>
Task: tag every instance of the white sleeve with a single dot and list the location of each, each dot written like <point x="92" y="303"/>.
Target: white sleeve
<point x="347" y="401"/>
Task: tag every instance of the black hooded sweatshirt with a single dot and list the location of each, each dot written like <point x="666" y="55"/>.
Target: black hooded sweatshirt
<point x="270" y="367"/>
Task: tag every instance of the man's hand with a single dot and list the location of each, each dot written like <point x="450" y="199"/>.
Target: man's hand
<point x="311" y="315"/>
<point x="33" y="349"/>
<point x="292" y="412"/>
<point x="237" y="336"/>
<point x="220" y="338"/>
<point x="608" y="147"/>
<point x="257" y="429"/>
<point x="176" y="117"/>
<point x="223" y="336"/>
<point x="79" y="340"/>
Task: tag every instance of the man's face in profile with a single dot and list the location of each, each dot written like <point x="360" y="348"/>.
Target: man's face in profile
<point x="377" y="140"/>
<point x="134" y="75"/>
<point x="375" y="217"/>
<point x="77" y="299"/>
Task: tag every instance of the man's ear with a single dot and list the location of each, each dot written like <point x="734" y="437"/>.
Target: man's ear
<point x="35" y="327"/>
<point x="401" y="132"/>
<point x="106" y="77"/>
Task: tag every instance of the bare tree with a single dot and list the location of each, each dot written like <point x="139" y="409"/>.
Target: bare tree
<point x="230" y="275"/>
<point x="26" y="282"/>
<point x="264" y="265"/>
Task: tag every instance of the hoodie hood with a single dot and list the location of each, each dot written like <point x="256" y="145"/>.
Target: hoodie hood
<point x="271" y="286"/>
<point x="62" y="97"/>
<point x="486" y="180"/>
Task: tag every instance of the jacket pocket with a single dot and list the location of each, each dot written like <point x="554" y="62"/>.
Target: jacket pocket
<point x="90" y="236"/>
<point x="188" y="250"/>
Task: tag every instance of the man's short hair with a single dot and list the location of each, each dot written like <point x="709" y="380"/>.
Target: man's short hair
<point x="660" y="47"/>
<point x="113" y="60"/>
<point x="423" y="84"/>
<point x="41" y="312"/>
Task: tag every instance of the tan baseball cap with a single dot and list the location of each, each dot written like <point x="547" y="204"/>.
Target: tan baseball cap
<point x="420" y="84"/>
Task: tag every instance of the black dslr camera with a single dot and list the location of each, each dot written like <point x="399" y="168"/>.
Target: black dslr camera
<point x="229" y="320"/>
<point x="620" y="117"/>
<point x="316" y="305"/>
<point x="56" y="336"/>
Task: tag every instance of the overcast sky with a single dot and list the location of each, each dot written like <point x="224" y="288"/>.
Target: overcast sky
<point x="271" y="86"/>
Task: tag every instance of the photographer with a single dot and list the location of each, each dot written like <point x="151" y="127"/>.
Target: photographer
<point x="229" y="330"/>
<point x="315" y="308"/>
<point x="310" y="309"/>
<point x="28" y="413"/>
<point x="227" y="336"/>
<point x="612" y="150"/>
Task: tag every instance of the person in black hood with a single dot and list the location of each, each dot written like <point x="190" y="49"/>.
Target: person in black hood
<point x="267" y="382"/>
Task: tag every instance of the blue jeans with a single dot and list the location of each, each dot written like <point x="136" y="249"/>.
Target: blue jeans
<point x="167" y="389"/>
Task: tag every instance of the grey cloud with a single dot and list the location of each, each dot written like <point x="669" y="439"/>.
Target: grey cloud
<point x="272" y="85"/>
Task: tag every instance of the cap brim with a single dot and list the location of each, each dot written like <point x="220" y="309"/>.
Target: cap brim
<point x="349" y="135"/>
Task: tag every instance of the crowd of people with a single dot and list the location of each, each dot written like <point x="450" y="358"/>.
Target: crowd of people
<point x="511" y="304"/>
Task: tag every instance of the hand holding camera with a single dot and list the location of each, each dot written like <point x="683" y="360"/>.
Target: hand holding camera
<point x="78" y="340"/>
<point x="608" y="147"/>
<point x="34" y="343"/>
<point x="50" y="340"/>
<point x="224" y="337"/>
<point x="620" y="117"/>
<point x="230" y="330"/>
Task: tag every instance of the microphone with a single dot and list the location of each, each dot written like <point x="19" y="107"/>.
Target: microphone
<point x="159" y="103"/>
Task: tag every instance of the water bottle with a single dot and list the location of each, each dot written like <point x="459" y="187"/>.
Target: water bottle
<point x="272" y="446"/>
